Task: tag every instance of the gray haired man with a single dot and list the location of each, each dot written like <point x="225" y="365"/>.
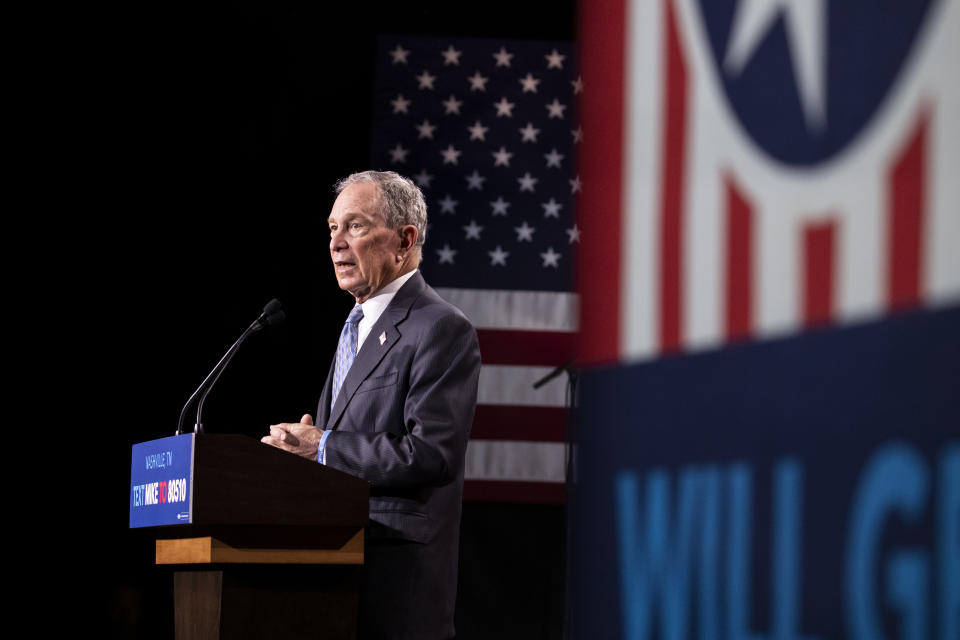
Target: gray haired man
<point x="396" y="408"/>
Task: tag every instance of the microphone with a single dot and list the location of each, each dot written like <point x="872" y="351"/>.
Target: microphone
<point x="566" y="366"/>
<point x="271" y="316"/>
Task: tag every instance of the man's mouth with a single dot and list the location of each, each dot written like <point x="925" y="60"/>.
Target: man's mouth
<point x="343" y="265"/>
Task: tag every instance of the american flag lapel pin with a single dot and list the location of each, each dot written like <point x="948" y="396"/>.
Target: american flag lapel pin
<point x="383" y="338"/>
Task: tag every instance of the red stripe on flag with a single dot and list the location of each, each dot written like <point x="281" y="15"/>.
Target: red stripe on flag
<point x="547" y="348"/>
<point x="600" y="166"/>
<point x="907" y="204"/>
<point x="532" y="424"/>
<point x="739" y="268"/>
<point x="819" y="244"/>
<point x="672" y="188"/>
<point x="507" y="491"/>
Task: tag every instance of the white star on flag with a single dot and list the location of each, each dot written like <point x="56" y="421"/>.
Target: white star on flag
<point x="423" y="179"/>
<point x="452" y="105"/>
<point x="504" y="107"/>
<point x="551" y="209"/>
<point x="524" y="232"/>
<point x="451" y="56"/>
<point x="425" y="80"/>
<point x="554" y="158"/>
<point x="806" y="25"/>
<point x="551" y="258"/>
<point x="574" y="233"/>
<point x="398" y="154"/>
<point x="502" y="157"/>
<point x="400" y="104"/>
<point x="529" y="133"/>
<point x="503" y="58"/>
<point x="448" y="205"/>
<point x="478" y="131"/>
<point x="475" y="181"/>
<point x="554" y="60"/>
<point x="555" y="109"/>
<point x="500" y="206"/>
<point x="446" y="254"/>
<point x="575" y="185"/>
<point x="473" y="230"/>
<point x="529" y="83"/>
<point x="425" y="129"/>
<point x="450" y="155"/>
<point x="527" y="182"/>
<point x="478" y="82"/>
<point x="498" y="256"/>
<point x="399" y="55"/>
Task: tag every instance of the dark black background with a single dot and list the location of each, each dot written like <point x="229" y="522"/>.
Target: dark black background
<point x="195" y="149"/>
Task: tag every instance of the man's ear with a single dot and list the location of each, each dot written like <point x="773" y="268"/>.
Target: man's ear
<point x="408" y="237"/>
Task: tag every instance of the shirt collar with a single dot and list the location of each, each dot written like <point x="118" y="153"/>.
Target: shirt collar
<point x="375" y="305"/>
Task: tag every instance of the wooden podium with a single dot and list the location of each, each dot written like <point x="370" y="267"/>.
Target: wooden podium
<point x="274" y="547"/>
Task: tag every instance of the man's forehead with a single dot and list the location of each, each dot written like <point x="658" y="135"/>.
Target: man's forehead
<point x="361" y="198"/>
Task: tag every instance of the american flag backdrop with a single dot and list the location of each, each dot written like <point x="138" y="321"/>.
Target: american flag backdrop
<point x="488" y="130"/>
<point x="757" y="168"/>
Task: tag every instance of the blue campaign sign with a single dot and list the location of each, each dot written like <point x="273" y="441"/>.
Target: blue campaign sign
<point x="161" y="482"/>
<point x="802" y="488"/>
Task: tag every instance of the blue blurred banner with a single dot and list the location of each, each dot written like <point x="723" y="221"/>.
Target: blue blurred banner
<point x="805" y="487"/>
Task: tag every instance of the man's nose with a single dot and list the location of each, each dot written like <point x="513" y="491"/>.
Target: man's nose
<point x="338" y="240"/>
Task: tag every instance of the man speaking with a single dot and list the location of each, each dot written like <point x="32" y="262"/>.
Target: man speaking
<point x="396" y="408"/>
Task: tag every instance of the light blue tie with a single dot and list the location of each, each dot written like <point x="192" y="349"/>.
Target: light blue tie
<point x="346" y="351"/>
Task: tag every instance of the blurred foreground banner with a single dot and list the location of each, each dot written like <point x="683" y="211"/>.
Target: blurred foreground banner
<point x="769" y="423"/>
<point x="754" y="168"/>
<point x="808" y="487"/>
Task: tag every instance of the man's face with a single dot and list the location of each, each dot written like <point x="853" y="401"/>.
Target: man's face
<point x="363" y="250"/>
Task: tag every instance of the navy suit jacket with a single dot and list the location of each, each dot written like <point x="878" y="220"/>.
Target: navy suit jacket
<point x="401" y="422"/>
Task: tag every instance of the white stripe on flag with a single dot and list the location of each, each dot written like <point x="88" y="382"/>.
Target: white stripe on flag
<point x="640" y="266"/>
<point x="515" y="461"/>
<point x="513" y="385"/>
<point x="517" y="310"/>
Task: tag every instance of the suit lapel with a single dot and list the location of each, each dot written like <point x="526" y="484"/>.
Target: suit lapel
<point x="373" y="350"/>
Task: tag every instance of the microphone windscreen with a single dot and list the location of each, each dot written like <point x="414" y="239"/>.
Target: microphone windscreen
<point x="272" y="306"/>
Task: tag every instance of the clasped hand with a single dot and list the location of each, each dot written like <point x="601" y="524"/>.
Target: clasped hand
<point x="301" y="438"/>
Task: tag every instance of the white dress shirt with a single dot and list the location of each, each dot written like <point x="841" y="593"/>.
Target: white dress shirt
<point x="376" y="304"/>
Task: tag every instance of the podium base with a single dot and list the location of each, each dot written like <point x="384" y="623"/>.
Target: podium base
<point x="264" y="601"/>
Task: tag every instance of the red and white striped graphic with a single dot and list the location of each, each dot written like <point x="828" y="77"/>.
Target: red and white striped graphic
<point x="694" y="238"/>
<point x="517" y="449"/>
